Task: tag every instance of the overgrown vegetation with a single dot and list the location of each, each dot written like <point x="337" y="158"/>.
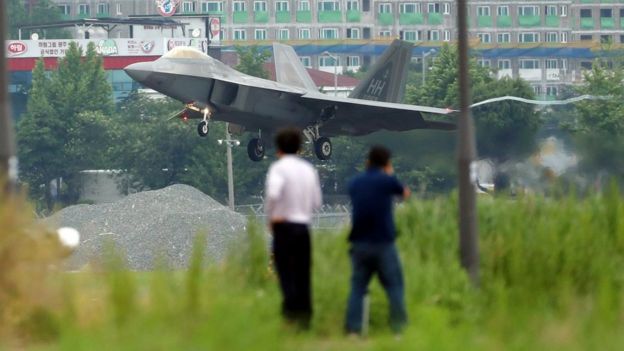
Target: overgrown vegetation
<point x="552" y="273"/>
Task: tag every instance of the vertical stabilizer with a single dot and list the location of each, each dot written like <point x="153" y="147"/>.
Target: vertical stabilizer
<point x="288" y="68"/>
<point x="386" y="79"/>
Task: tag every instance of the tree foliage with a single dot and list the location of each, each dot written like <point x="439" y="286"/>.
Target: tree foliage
<point x="504" y="129"/>
<point x="43" y="11"/>
<point x="66" y="127"/>
<point x="252" y="60"/>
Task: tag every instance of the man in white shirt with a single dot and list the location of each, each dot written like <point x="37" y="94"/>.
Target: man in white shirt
<point x="292" y="194"/>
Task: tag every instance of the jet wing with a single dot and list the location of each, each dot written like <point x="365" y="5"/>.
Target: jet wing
<point x="358" y="117"/>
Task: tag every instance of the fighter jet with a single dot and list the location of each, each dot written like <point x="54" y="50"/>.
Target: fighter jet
<point x="212" y="90"/>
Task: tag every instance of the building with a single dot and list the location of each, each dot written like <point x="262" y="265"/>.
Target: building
<point x="546" y="42"/>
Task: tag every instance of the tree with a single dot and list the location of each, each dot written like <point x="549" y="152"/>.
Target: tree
<point x="599" y="127"/>
<point x="43" y="11"/>
<point x="67" y="120"/>
<point x="504" y="130"/>
<point x="252" y="60"/>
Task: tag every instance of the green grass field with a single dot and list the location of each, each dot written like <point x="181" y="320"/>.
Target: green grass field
<point x="552" y="275"/>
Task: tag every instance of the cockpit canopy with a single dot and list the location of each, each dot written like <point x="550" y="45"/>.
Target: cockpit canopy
<point x="185" y="52"/>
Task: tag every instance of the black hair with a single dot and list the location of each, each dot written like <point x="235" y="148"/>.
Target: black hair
<point x="288" y="140"/>
<point x="378" y="157"/>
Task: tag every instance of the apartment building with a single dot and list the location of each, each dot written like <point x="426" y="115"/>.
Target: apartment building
<point x="545" y="42"/>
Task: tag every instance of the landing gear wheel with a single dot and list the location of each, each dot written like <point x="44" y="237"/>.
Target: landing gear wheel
<point x="323" y="148"/>
<point x="255" y="149"/>
<point x="202" y="128"/>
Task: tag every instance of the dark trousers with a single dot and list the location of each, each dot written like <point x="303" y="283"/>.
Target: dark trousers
<point x="291" y="250"/>
<point x="366" y="260"/>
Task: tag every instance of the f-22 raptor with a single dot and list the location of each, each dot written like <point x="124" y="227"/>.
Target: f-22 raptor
<point x="212" y="90"/>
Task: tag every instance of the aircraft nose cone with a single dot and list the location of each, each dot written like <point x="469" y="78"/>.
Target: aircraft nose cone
<point x="139" y="71"/>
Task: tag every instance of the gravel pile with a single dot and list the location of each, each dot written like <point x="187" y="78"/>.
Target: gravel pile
<point x="151" y="225"/>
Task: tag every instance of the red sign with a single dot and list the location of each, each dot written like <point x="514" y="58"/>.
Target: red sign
<point x="215" y="27"/>
<point x="16" y="48"/>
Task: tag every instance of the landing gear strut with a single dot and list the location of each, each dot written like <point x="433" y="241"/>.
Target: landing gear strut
<point x="202" y="127"/>
<point x="322" y="145"/>
<point x="255" y="149"/>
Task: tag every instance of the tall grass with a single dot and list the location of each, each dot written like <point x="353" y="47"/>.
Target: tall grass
<point x="552" y="273"/>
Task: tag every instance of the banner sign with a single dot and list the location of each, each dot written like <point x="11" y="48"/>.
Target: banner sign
<point x="104" y="47"/>
<point x="167" y="8"/>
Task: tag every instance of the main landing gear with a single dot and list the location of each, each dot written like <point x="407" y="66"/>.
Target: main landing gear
<point x="255" y="149"/>
<point x="202" y="127"/>
<point x="322" y="145"/>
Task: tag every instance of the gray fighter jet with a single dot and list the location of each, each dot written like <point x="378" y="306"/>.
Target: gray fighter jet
<point x="213" y="91"/>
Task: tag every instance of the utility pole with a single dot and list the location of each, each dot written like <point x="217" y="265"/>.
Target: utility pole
<point x="8" y="160"/>
<point x="466" y="154"/>
<point x="229" y="144"/>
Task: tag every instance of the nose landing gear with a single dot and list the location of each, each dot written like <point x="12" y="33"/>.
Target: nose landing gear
<point x="202" y="127"/>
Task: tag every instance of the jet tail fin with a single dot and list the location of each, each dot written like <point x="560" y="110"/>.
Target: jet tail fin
<point x="386" y="79"/>
<point x="288" y="68"/>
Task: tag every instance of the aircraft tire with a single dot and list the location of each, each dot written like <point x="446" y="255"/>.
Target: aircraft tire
<point x="255" y="150"/>
<point x="202" y="128"/>
<point x="323" y="148"/>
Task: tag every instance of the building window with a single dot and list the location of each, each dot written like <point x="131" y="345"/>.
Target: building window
<point x="306" y="61"/>
<point x="411" y="35"/>
<point x="118" y="8"/>
<point x="447" y="35"/>
<point x="528" y="37"/>
<point x="586" y="13"/>
<point x="281" y="6"/>
<point x="484" y="62"/>
<point x="103" y="8"/>
<point x="551" y="64"/>
<point x="83" y="9"/>
<point x="260" y="34"/>
<point x="606" y="13"/>
<point x="483" y="11"/>
<point x="260" y="6"/>
<point x="564" y="10"/>
<point x="552" y="37"/>
<point x="353" y="61"/>
<point x="528" y="10"/>
<point x="504" y="64"/>
<point x="503" y="37"/>
<point x="551" y="91"/>
<point x="484" y="37"/>
<point x="410" y="8"/>
<point x="433" y="7"/>
<point x="433" y="35"/>
<point x="212" y="6"/>
<point x="586" y="37"/>
<point x="447" y="8"/>
<point x="529" y="64"/>
<point x="329" y="6"/>
<point x="385" y="33"/>
<point x="304" y="33"/>
<point x="621" y="13"/>
<point x="606" y="39"/>
<point x="304" y="5"/>
<point x="353" y="5"/>
<point x="239" y="6"/>
<point x="284" y="34"/>
<point x="564" y="37"/>
<point x="502" y="11"/>
<point x="240" y="34"/>
<point x="328" y="33"/>
<point x="64" y="9"/>
<point x="551" y="10"/>
<point x="328" y="61"/>
<point x="188" y="6"/>
<point x="353" y="33"/>
<point x="385" y="8"/>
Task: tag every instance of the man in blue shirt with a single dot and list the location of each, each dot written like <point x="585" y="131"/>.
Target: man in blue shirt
<point x="372" y="239"/>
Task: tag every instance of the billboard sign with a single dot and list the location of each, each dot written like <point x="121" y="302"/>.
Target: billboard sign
<point x="167" y="8"/>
